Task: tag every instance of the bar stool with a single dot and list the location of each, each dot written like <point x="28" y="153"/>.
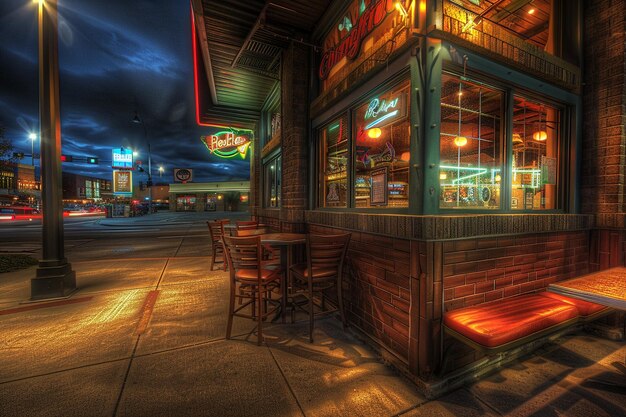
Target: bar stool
<point x="251" y="282"/>
<point x="323" y="270"/>
<point x="216" y="229"/>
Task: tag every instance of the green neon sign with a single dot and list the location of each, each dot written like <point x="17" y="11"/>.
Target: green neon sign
<point x="228" y="143"/>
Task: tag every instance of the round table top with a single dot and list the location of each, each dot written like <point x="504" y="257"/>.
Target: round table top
<point x="283" y="238"/>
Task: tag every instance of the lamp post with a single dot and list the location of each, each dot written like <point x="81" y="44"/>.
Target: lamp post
<point x="32" y="138"/>
<point x="54" y="277"/>
<point x="140" y="121"/>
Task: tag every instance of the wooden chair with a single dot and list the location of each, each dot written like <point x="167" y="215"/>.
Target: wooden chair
<point x="247" y="225"/>
<point x="251" y="281"/>
<point x="216" y="229"/>
<point x="322" y="271"/>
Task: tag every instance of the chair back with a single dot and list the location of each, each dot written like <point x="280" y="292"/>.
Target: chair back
<point x="327" y="251"/>
<point x="216" y="229"/>
<point x="250" y="232"/>
<point x="246" y="225"/>
<point x="242" y="252"/>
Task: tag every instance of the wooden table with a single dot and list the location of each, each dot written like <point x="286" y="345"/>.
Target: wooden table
<point x="606" y="287"/>
<point x="286" y="242"/>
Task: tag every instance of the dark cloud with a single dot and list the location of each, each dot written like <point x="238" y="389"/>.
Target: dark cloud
<point x="116" y="57"/>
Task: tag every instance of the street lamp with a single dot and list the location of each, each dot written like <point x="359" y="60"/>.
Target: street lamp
<point x="161" y="169"/>
<point x="32" y="138"/>
<point x="140" y="121"/>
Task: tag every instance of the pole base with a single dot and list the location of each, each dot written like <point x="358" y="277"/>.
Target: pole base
<point x="53" y="281"/>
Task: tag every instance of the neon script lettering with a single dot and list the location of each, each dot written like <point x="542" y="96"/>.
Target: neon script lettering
<point x="371" y="18"/>
<point x="376" y="107"/>
<point x="229" y="140"/>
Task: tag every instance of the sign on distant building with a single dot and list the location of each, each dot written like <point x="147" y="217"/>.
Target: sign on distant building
<point x="122" y="159"/>
<point x="123" y="183"/>
<point x="227" y="144"/>
<point x="183" y="175"/>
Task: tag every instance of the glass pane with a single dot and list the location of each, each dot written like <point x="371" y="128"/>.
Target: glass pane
<point x="534" y="173"/>
<point x="270" y="184"/>
<point x="279" y="175"/>
<point x="381" y="160"/>
<point x="334" y="164"/>
<point x="470" y="144"/>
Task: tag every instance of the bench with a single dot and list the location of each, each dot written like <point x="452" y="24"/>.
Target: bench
<point x="508" y="323"/>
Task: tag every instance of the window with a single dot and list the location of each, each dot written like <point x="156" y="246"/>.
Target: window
<point x="369" y="160"/>
<point x="382" y="152"/>
<point x="470" y="145"/>
<point x="272" y="178"/>
<point x="334" y="164"/>
<point x="534" y="166"/>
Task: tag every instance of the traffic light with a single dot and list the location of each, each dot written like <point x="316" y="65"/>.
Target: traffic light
<point x="19" y="155"/>
<point x="91" y="160"/>
<point x="66" y="158"/>
<point x="140" y="169"/>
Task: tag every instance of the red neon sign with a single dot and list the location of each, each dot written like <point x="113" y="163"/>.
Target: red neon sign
<point x="371" y="18"/>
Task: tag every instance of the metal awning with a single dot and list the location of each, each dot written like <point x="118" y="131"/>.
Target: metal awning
<point x="239" y="45"/>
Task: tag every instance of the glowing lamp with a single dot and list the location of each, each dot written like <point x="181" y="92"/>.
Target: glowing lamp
<point x="405" y="156"/>
<point x="400" y="8"/>
<point x="540" y="135"/>
<point x="443" y="176"/>
<point x="517" y="139"/>
<point x="374" y="133"/>
<point x="498" y="178"/>
<point x="460" y="141"/>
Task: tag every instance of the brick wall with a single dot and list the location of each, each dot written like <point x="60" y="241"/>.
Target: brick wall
<point x="604" y="101"/>
<point x="377" y="288"/>
<point x="295" y="150"/>
<point x="476" y="271"/>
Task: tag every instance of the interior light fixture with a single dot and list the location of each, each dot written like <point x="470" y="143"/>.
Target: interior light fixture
<point x="443" y="176"/>
<point x="460" y="141"/>
<point x="531" y="11"/>
<point x="400" y="8"/>
<point x="540" y="135"/>
<point x="405" y="156"/>
<point x="374" y="133"/>
<point x="517" y="139"/>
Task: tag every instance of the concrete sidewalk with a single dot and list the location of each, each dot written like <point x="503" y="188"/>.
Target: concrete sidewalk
<point x="144" y="336"/>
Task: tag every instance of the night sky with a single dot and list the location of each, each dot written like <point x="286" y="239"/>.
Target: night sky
<point x="115" y="57"/>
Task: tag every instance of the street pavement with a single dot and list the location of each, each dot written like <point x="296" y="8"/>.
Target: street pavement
<point x="144" y="336"/>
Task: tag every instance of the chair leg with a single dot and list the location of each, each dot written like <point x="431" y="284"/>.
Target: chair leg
<point x="231" y="310"/>
<point x="213" y="258"/>
<point x="340" y="302"/>
<point x="311" y="311"/>
<point x="260" y="316"/>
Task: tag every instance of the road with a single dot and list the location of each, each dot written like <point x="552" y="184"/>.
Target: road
<point x="25" y="237"/>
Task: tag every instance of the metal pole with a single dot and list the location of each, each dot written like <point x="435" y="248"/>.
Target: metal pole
<point x="32" y="153"/>
<point x="149" y="177"/>
<point x="54" y="277"/>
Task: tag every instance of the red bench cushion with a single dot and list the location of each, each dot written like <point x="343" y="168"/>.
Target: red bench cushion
<point x="494" y="324"/>
<point x="585" y="308"/>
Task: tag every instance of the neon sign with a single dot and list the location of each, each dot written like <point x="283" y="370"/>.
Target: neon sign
<point x="385" y="110"/>
<point x="350" y="46"/>
<point x="227" y="144"/>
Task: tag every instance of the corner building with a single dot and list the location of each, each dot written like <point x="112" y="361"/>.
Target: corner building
<point x="474" y="149"/>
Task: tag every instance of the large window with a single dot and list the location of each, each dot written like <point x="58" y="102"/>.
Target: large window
<point x="472" y="166"/>
<point x="272" y="177"/>
<point x="368" y="160"/>
<point x="470" y="145"/>
<point x="382" y="151"/>
<point x="334" y="164"/>
<point x="534" y="168"/>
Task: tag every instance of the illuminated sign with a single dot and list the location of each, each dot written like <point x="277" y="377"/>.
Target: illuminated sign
<point x="123" y="183"/>
<point x="227" y="144"/>
<point x="122" y="159"/>
<point x="183" y="175"/>
<point x="350" y="46"/>
<point x="385" y="110"/>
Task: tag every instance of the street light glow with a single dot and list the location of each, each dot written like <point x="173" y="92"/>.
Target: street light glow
<point x="32" y="136"/>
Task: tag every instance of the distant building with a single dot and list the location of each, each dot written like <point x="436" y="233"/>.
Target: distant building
<point x="209" y="196"/>
<point x="80" y="188"/>
<point x="19" y="183"/>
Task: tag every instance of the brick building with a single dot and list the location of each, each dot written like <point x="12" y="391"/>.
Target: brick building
<point x="82" y="189"/>
<point x="475" y="150"/>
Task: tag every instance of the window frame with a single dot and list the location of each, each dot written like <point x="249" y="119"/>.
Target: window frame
<point x="275" y="157"/>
